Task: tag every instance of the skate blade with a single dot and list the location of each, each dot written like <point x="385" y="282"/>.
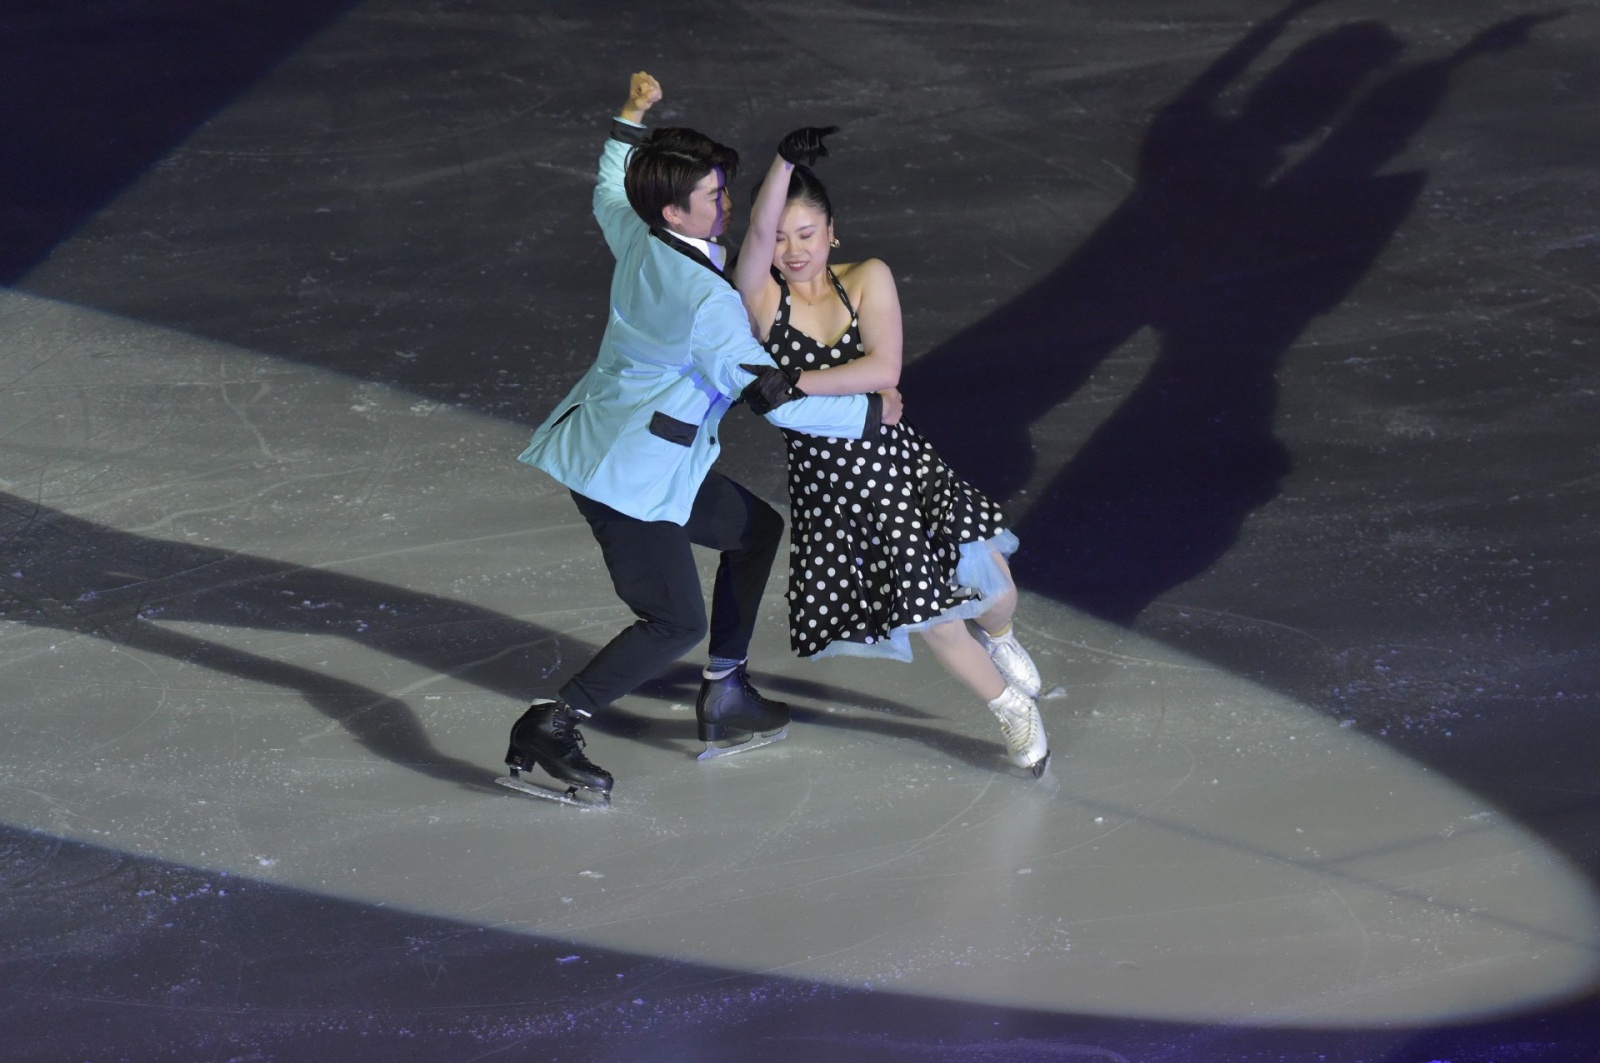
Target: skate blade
<point x="1037" y="771"/>
<point x="713" y="752"/>
<point x="550" y="793"/>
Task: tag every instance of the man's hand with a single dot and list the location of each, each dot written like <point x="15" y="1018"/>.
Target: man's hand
<point x="644" y="92"/>
<point x="892" y="405"/>
<point x="771" y="388"/>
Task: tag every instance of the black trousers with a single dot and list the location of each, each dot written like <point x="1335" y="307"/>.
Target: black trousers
<point x="652" y="568"/>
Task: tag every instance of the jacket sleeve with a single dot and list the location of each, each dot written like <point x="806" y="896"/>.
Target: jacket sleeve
<point x="838" y="416"/>
<point x="721" y="342"/>
<point x="617" y="220"/>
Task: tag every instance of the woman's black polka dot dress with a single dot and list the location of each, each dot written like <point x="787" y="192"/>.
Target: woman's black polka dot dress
<point x="878" y="526"/>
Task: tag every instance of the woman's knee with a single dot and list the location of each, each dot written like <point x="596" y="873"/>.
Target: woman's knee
<point x="949" y="633"/>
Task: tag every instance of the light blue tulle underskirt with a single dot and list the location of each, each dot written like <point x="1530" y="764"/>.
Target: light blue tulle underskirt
<point x="976" y="571"/>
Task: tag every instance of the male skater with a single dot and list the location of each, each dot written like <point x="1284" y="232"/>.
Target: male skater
<point x="635" y="439"/>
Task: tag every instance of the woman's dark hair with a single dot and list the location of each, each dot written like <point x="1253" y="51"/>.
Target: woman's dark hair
<point x="805" y="186"/>
<point x="665" y="167"/>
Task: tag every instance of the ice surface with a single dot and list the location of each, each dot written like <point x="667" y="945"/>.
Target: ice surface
<point x="335" y="724"/>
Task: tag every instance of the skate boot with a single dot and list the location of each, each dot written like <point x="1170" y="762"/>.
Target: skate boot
<point x="1011" y="660"/>
<point x="547" y="735"/>
<point x="1024" y="730"/>
<point x="734" y="718"/>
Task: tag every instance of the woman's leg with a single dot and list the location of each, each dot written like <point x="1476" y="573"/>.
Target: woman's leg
<point x="1002" y="607"/>
<point x="999" y="642"/>
<point x="961" y="655"/>
<point x="964" y="658"/>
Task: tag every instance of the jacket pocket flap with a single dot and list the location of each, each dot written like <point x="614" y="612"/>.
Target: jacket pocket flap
<point x="673" y="430"/>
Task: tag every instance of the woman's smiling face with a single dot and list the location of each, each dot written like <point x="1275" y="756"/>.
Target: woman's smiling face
<point x="804" y="233"/>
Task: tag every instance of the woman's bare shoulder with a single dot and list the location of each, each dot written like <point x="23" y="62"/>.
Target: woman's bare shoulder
<point x="865" y="276"/>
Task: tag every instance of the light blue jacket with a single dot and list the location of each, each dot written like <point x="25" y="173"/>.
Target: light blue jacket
<point x="639" y="431"/>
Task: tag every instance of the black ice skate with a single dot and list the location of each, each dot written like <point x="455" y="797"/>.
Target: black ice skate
<point x="733" y="718"/>
<point x="547" y="735"/>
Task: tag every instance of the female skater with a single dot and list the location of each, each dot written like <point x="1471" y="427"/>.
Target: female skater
<point x="885" y="539"/>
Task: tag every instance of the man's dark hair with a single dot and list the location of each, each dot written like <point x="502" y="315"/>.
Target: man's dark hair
<point x="665" y="167"/>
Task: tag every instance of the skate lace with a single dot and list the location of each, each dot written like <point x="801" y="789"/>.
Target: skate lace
<point x="1017" y="725"/>
<point x="750" y="691"/>
<point x="565" y="730"/>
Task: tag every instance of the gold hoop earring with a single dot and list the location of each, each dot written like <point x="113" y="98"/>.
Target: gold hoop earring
<point x="834" y="242"/>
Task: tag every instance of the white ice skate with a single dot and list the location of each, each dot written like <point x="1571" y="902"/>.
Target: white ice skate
<point x="1023" y="729"/>
<point x="1011" y="660"/>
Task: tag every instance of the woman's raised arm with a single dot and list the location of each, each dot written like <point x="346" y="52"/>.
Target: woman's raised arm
<point x="752" y="274"/>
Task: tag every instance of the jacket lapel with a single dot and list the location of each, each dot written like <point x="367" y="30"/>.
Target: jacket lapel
<point x="689" y="252"/>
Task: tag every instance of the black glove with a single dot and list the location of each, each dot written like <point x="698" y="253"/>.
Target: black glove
<point x="805" y="145"/>
<point x="771" y="388"/>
